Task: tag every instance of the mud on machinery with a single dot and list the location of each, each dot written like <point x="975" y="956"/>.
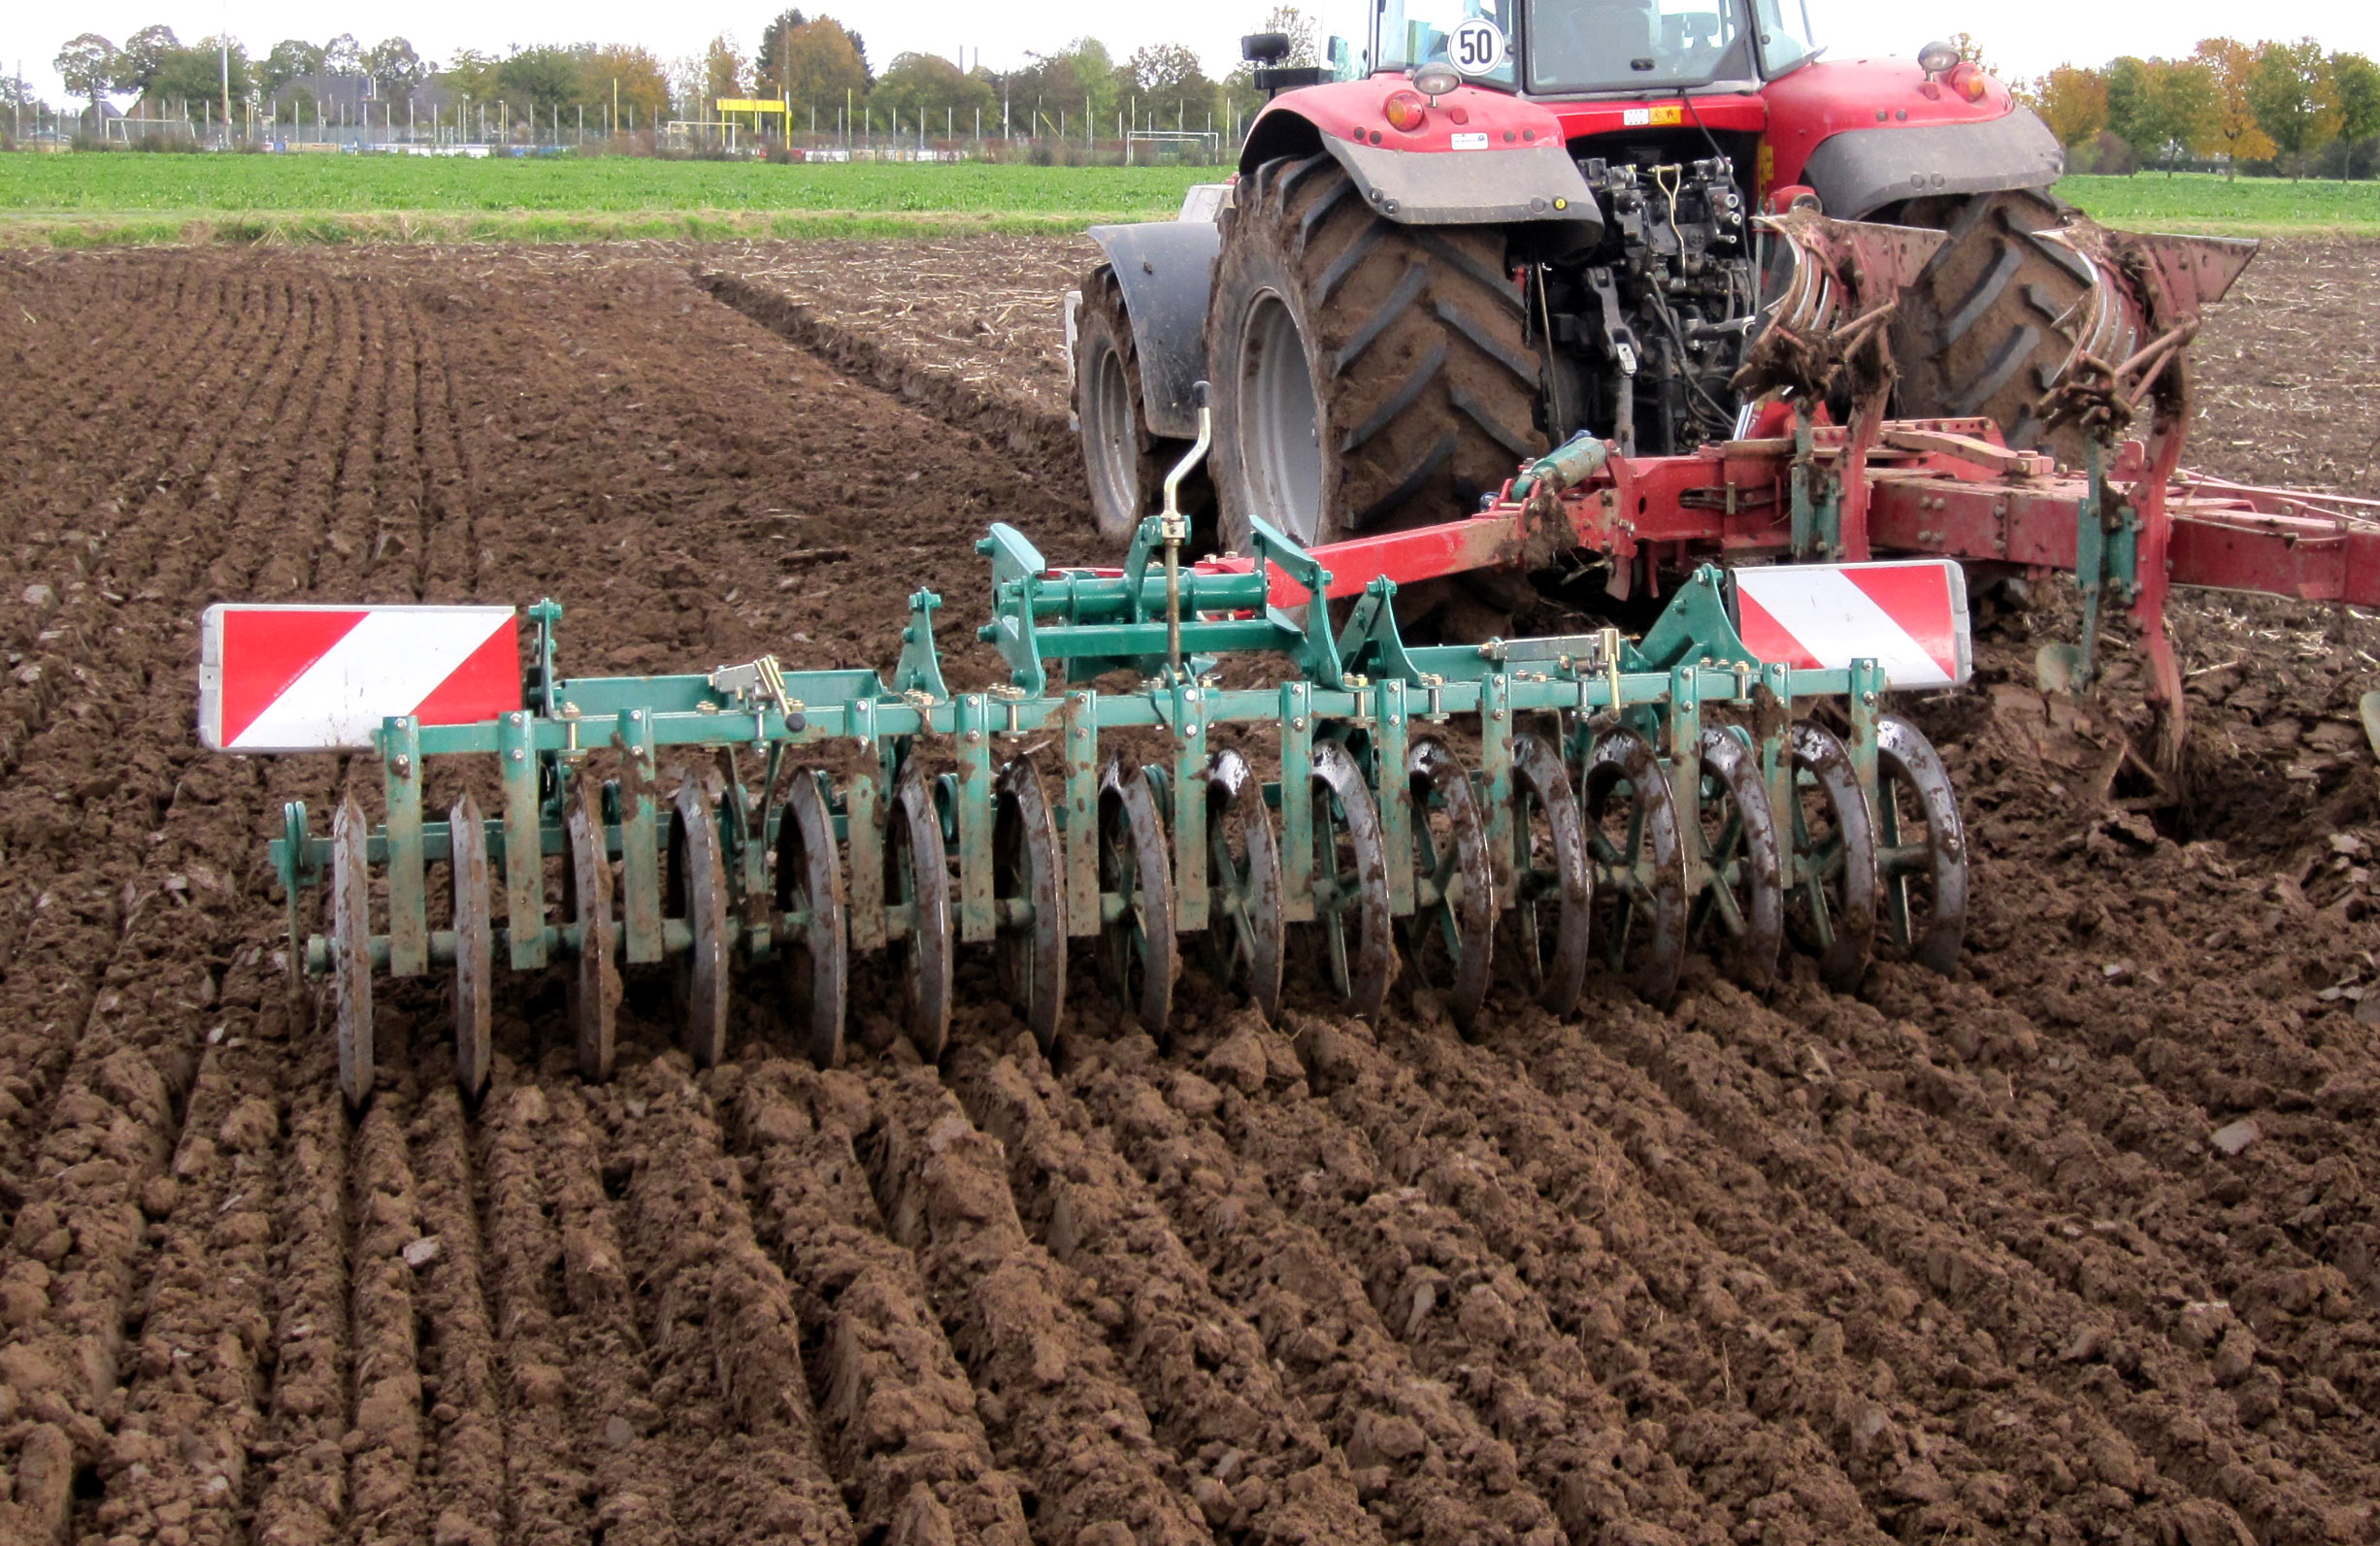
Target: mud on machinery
<point x="1206" y="757"/>
<point x="1511" y="811"/>
<point x="1488" y="228"/>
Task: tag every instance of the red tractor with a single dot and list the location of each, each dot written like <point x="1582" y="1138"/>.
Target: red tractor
<point x="1497" y="224"/>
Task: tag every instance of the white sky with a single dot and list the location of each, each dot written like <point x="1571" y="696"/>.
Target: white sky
<point x="2024" y="37"/>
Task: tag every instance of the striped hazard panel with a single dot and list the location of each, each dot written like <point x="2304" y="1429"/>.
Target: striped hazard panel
<point x="1908" y="616"/>
<point x="321" y="679"/>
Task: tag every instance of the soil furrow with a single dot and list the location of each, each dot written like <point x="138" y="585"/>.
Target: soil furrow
<point x="1721" y="1370"/>
<point x="1261" y="1469"/>
<point x="724" y="1340"/>
<point x="461" y="1379"/>
<point x="193" y="1404"/>
<point x="1453" y="1292"/>
<point x="1045" y="1379"/>
<point x="1999" y="1322"/>
<point x="1427" y="1466"/>
<point x="902" y="1425"/>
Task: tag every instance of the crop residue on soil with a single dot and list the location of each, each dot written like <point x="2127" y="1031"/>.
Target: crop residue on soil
<point x="2075" y="1247"/>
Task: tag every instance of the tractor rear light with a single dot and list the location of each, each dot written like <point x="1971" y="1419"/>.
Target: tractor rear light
<point x="1968" y="80"/>
<point x="1405" y="110"/>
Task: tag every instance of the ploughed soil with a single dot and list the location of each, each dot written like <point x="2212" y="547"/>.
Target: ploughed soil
<point x="2075" y="1245"/>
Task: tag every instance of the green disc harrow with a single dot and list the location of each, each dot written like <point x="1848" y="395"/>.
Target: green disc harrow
<point x="1185" y="761"/>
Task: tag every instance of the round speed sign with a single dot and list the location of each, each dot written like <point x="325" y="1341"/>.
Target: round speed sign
<point x="1476" y="47"/>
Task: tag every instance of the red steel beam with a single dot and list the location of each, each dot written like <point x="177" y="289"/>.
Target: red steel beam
<point x="1732" y="500"/>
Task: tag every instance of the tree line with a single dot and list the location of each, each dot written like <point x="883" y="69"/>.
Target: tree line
<point x="816" y="64"/>
<point x="2291" y="108"/>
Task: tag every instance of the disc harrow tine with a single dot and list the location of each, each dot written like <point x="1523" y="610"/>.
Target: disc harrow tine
<point x="917" y="882"/>
<point x="1662" y="798"/>
<point x="1139" y="951"/>
<point x="812" y="947"/>
<point x="474" y="948"/>
<point x="1933" y="934"/>
<point x="1246" y="924"/>
<point x="1358" y="953"/>
<point x="1743" y="912"/>
<point x="697" y="882"/>
<point x="1451" y="935"/>
<point x="1834" y="858"/>
<point x="1553" y="889"/>
<point x="350" y="950"/>
<point x="1641" y="877"/>
<point x="594" y="992"/>
<point x="1029" y="897"/>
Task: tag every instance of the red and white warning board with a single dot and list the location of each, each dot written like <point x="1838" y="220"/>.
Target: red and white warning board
<point x="321" y="679"/>
<point x="1908" y="616"/>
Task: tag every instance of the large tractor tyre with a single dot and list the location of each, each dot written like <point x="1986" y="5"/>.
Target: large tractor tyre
<point x="1124" y="463"/>
<point x="1996" y="318"/>
<point x="1367" y="375"/>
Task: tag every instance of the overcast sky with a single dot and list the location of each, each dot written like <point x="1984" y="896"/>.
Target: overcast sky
<point x="2022" y="35"/>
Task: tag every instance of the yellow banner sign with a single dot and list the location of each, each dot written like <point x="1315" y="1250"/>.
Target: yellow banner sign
<point x="748" y="105"/>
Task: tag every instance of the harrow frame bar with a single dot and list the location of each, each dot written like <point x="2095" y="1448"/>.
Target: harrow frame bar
<point x="1361" y="684"/>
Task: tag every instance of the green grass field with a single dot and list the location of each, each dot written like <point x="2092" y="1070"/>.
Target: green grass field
<point x="2217" y="206"/>
<point x="71" y="200"/>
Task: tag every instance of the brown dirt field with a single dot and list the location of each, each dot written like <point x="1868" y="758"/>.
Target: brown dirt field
<point x="1949" y="1260"/>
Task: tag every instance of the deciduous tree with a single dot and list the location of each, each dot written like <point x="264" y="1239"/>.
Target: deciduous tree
<point x="2288" y="91"/>
<point x="824" y="68"/>
<point x="722" y="72"/>
<point x="395" y="68"/>
<point x="290" y="58"/>
<point x="2072" y="101"/>
<point x="769" y="78"/>
<point x="142" y="56"/>
<point x="86" y="64"/>
<point x="929" y="88"/>
<point x="2233" y="64"/>
<point x="624" y="73"/>
<point x="2355" y="89"/>
<point x="1303" y="32"/>
<point x="540" y="79"/>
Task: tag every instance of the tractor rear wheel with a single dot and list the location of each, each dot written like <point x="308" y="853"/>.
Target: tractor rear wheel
<point x="1367" y="375"/>
<point x="1998" y="316"/>
<point x="1124" y="463"/>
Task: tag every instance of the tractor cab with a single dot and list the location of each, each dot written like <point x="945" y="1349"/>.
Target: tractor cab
<point x="1558" y="49"/>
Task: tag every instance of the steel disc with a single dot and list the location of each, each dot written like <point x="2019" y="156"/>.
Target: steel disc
<point x="474" y="948"/>
<point x="1741" y="916"/>
<point x="1924" y="881"/>
<point x="918" y="877"/>
<point x="1030" y="951"/>
<point x="1450" y="938"/>
<point x="594" y="978"/>
<point x="1351" y="916"/>
<point x="1245" y="921"/>
<point x="697" y="892"/>
<point x="1139" y="951"/>
<point x="350" y="946"/>
<point x="1552" y="878"/>
<point x="813" y="952"/>
<point x="1833" y="883"/>
<point x="1639" y="863"/>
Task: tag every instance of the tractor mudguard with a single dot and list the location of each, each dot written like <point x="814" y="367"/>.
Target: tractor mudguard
<point x="1166" y="268"/>
<point x="1859" y="171"/>
<point x="1504" y="160"/>
<point x="1474" y="188"/>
